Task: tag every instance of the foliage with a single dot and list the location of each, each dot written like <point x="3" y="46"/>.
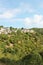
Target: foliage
<point x="22" y="48"/>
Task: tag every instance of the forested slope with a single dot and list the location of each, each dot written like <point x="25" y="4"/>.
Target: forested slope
<point x="22" y="48"/>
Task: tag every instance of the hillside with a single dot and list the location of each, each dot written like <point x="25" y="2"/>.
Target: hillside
<point x="21" y="46"/>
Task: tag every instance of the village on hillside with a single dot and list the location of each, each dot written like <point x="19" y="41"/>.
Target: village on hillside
<point x="7" y="30"/>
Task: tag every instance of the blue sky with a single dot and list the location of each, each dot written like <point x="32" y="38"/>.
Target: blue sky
<point x="21" y="13"/>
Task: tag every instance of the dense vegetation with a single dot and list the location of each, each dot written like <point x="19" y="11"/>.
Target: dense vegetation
<point x="19" y="48"/>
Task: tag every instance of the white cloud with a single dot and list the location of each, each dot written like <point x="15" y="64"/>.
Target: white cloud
<point x="6" y="15"/>
<point x="16" y="11"/>
<point x="27" y="21"/>
<point x="36" y="20"/>
<point x="10" y="13"/>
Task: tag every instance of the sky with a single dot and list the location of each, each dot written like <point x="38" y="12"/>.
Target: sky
<point x="21" y="13"/>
